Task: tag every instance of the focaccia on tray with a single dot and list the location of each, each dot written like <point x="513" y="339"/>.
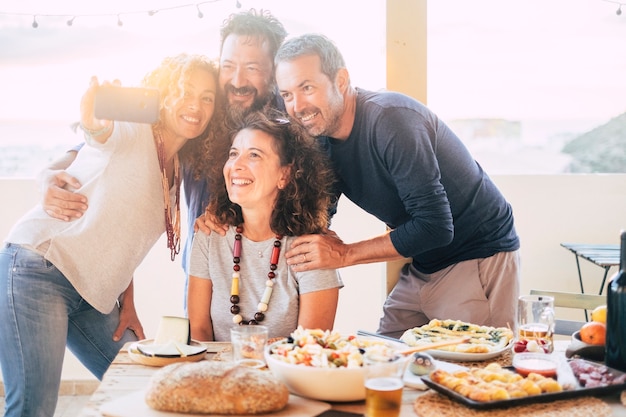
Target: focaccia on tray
<point x="494" y="383"/>
<point x="483" y="339"/>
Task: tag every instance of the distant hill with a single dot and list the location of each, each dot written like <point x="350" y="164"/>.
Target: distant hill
<point x="602" y="149"/>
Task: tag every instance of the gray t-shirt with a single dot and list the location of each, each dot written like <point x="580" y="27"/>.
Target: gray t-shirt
<point x="212" y="258"/>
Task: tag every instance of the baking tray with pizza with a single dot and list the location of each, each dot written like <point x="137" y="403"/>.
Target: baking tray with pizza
<point x="485" y="342"/>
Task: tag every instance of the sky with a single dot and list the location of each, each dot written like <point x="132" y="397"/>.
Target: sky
<point x="533" y="58"/>
<point x="44" y="71"/>
<point x="559" y="59"/>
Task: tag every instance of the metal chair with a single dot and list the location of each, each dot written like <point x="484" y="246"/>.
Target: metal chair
<point x="571" y="300"/>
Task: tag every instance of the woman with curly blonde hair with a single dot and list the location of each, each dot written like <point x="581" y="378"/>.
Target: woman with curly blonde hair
<point x="275" y="185"/>
<point x="69" y="283"/>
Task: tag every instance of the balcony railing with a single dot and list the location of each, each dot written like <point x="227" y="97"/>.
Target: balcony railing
<point x="548" y="209"/>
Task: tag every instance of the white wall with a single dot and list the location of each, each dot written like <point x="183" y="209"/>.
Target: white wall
<point x="548" y="210"/>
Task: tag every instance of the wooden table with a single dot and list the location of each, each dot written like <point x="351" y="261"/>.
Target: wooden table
<point x="125" y="377"/>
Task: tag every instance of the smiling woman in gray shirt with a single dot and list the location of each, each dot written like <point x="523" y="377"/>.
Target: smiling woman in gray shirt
<point x="275" y="185"/>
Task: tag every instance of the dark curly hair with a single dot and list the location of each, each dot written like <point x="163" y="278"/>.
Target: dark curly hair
<point x="257" y="24"/>
<point x="170" y="78"/>
<point x="302" y="206"/>
<point x="261" y="24"/>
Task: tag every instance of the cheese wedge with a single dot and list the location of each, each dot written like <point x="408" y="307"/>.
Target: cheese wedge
<point x="173" y="329"/>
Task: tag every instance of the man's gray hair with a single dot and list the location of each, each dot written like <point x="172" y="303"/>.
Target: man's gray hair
<point x="331" y="59"/>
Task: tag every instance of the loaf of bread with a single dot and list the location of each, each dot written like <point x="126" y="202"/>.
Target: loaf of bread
<point x="209" y="387"/>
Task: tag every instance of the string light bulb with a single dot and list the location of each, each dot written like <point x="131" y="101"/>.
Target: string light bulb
<point x="619" y="10"/>
<point x="70" y="18"/>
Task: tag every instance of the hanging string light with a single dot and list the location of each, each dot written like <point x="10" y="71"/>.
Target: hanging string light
<point x="619" y="6"/>
<point x="151" y="12"/>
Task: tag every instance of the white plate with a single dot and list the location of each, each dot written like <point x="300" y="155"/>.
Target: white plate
<point x="467" y="357"/>
<point x="413" y="381"/>
<point x="136" y="355"/>
<point x="148" y="348"/>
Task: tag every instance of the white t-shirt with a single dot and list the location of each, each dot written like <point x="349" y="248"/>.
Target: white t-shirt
<point x="99" y="252"/>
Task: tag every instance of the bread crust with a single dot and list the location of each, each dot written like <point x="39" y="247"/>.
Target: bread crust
<point x="208" y="387"/>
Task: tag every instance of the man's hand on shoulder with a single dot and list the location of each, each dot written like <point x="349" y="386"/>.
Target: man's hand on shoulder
<point x="58" y="202"/>
<point x="207" y="224"/>
<point x="321" y="251"/>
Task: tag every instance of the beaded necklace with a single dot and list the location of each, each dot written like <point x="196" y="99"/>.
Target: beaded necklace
<point x="259" y="316"/>
<point x="172" y="220"/>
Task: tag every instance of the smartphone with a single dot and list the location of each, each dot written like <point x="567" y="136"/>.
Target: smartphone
<point x="130" y="104"/>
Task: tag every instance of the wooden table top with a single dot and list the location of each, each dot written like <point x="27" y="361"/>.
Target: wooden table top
<point x="126" y="377"/>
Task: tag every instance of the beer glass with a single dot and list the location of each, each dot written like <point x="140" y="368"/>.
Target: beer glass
<point x="535" y="324"/>
<point x="383" y="384"/>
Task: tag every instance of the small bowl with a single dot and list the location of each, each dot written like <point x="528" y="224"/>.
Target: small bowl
<point x="421" y="364"/>
<point x="584" y="350"/>
<point x="539" y="363"/>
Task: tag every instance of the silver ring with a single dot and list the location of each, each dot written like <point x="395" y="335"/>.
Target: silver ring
<point x="304" y="255"/>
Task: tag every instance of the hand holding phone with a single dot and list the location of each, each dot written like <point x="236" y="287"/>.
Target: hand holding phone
<point x="130" y="104"/>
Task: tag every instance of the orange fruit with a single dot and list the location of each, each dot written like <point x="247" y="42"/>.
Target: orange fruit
<point x="593" y="332"/>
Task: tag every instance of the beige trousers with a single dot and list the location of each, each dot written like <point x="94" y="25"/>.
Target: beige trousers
<point x="480" y="291"/>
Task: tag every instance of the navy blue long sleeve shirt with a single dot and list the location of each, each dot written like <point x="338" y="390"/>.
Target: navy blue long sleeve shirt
<point x="407" y="168"/>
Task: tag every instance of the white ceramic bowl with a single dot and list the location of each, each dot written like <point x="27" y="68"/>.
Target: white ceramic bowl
<point x="324" y="384"/>
<point x="340" y="384"/>
<point x="579" y="348"/>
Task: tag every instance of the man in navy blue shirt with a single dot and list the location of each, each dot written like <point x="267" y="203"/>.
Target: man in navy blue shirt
<point x="395" y="159"/>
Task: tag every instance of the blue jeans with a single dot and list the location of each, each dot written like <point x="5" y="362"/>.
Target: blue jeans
<point x="41" y="313"/>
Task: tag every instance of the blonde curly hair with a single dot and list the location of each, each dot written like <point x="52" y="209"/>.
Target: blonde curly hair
<point x="170" y="78"/>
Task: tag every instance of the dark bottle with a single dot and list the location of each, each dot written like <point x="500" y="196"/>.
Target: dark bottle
<point x="616" y="314"/>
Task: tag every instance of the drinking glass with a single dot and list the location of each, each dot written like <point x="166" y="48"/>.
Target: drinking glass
<point x="535" y="324"/>
<point x="248" y="345"/>
<point x="383" y="384"/>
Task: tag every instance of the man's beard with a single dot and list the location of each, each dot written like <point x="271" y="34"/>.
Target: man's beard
<point x="236" y="110"/>
<point x="331" y="117"/>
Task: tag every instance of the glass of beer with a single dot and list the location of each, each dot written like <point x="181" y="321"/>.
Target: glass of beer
<point x="535" y="324"/>
<point x="383" y="383"/>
